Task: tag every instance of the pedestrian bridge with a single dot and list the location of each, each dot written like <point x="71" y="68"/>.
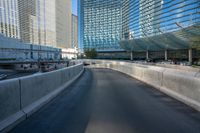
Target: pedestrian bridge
<point x="104" y="97"/>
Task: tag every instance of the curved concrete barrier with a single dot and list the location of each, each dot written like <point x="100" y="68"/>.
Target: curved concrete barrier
<point x="21" y="97"/>
<point x="180" y="84"/>
<point x="37" y="90"/>
<point x="183" y="86"/>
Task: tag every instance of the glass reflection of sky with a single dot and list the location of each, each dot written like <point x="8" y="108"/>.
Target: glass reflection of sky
<point x="153" y="17"/>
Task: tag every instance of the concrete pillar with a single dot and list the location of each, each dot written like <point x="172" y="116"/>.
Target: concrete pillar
<point x="131" y="55"/>
<point x="190" y="56"/>
<point x="166" y="56"/>
<point x="147" y="54"/>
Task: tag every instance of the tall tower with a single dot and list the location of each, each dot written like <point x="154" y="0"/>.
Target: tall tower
<point x="32" y="18"/>
<point x="9" y="18"/>
<point x="45" y="22"/>
<point x="74" y="43"/>
<point x="125" y="19"/>
<point x="63" y="23"/>
<point x="150" y="11"/>
<point x="101" y="24"/>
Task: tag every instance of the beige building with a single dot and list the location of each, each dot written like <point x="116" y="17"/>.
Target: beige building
<point x="9" y="21"/>
<point x="37" y="21"/>
<point x="45" y="22"/>
<point x="74" y="41"/>
<point x="63" y="23"/>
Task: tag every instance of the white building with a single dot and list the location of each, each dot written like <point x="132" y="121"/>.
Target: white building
<point x="44" y="22"/>
<point x="69" y="53"/>
<point x="63" y="23"/>
<point x="74" y="43"/>
<point x="9" y="20"/>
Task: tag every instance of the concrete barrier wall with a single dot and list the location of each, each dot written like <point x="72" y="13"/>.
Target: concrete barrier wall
<point x="183" y="86"/>
<point x="21" y="97"/>
<point x="9" y="98"/>
<point x="37" y="86"/>
<point x="180" y="84"/>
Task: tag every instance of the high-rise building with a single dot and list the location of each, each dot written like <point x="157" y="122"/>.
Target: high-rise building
<point x="150" y="14"/>
<point x="125" y="18"/>
<point x="100" y="24"/>
<point x="74" y="43"/>
<point x="37" y="21"/>
<point x="63" y="23"/>
<point x="9" y="21"/>
<point x="29" y="32"/>
<point x="45" y="22"/>
<point x="50" y="26"/>
<point x="144" y="18"/>
<point x="161" y="29"/>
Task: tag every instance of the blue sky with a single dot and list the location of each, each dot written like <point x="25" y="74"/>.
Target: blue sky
<point x="74" y="7"/>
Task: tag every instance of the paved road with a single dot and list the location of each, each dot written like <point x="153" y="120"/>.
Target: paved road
<point x="106" y="101"/>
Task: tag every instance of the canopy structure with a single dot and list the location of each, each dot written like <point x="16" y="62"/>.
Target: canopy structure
<point x="184" y="38"/>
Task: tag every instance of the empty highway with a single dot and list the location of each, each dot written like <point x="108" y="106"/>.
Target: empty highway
<point x="106" y="101"/>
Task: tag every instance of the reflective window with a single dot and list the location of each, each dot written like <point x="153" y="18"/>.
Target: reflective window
<point x="101" y="24"/>
<point x="143" y="18"/>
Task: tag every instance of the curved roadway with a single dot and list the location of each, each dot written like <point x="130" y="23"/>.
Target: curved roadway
<point x="106" y="101"/>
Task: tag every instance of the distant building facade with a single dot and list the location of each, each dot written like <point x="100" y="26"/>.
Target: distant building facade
<point x="101" y="24"/>
<point x="150" y="17"/>
<point x="63" y="23"/>
<point x="9" y="20"/>
<point x="44" y="22"/>
<point x="161" y="29"/>
<point x="144" y="18"/>
<point x="74" y="43"/>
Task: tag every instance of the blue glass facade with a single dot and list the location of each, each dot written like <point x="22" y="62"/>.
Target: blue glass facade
<point x="139" y="25"/>
<point x="144" y="18"/>
<point x="100" y="24"/>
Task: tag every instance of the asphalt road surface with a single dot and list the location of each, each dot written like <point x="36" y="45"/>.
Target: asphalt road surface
<point x="106" y="101"/>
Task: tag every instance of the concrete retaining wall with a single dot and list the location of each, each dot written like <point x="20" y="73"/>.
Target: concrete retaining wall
<point x="21" y="97"/>
<point x="9" y="98"/>
<point x="10" y="111"/>
<point x="37" y="86"/>
<point x="180" y="84"/>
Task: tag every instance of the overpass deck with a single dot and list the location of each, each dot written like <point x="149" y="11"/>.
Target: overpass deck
<point x="106" y="101"/>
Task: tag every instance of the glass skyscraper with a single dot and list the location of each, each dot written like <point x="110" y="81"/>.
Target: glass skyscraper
<point x="146" y="18"/>
<point x="100" y="24"/>
<point x="162" y="26"/>
<point x="9" y="20"/>
<point x="140" y="26"/>
<point x="43" y="22"/>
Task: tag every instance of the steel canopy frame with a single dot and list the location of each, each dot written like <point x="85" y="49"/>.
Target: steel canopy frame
<point x="184" y="38"/>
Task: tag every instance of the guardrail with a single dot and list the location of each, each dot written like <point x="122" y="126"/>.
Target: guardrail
<point x="21" y="97"/>
<point x="180" y="84"/>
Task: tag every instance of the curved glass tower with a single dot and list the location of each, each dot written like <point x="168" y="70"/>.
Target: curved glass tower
<point x="152" y="17"/>
<point x="100" y="24"/>
<point x="140" y="25"/>
<point x="162" y="28"/>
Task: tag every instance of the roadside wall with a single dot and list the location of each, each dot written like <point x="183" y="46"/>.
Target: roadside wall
<point x="180" y="84"/>
<point x="21" y="97"/>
